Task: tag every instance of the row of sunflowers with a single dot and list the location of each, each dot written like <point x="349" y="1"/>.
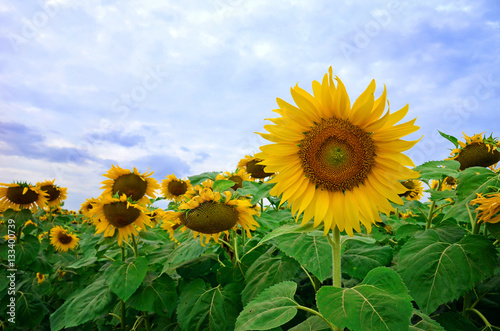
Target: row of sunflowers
<point x="329" y="227"/>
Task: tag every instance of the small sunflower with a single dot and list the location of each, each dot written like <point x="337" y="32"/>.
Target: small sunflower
<point x="253" y="166"/>
<point x="449" y="183"/>
<point x="40" y="277"/>
<point x="87" y="206"/>
<point x="210" y="214"/>
<point x="488" y="210"/>
<point x="337" y="163"/>
<point x="414" y="190"/>
<point x="55" y="194"/>
<point x="237" y="177"/>
<point x="175" y="189"/>
<point x="477" y="151"/>
<point x="133" y="184"/>
<point x="156" y="215"/>
<point x="62" y="240"/>
<point x="21" y="196"/>
<point x="119" y="214"/>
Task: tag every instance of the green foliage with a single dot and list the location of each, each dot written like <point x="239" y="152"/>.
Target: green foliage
<point x="359" y="258"/>
<point x="438" y="169"/>
<point x="124" y="278"/>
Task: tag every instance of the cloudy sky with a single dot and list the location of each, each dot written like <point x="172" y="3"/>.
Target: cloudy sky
<point x="181" y="86"/>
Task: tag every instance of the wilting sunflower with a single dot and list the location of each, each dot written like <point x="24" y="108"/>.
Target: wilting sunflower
<point x="252" y="166"/>
<point x="133" y="184"/>
<point x="21" y="196"/>
<point x="414" y="190"/>
<point x="55" y="194"/>
<point x="119" y="214"/>
<point x="210" y="214"/>
<point x="237" y="177"/>
<point x="477" y="151"/>
<point x="449" y="183"/>
<point x="40" y="277"/>
<point x="175" y="189"/>
<point x="62" y="240"/>
<point x="488" y="210"/>
<point x="337" y="163"/>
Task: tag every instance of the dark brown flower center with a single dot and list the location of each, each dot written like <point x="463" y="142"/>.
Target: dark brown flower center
<point x="238" y="180"/>
<point x="118" y="215"/>
<point x="53" y="192"/>
<point x="477" y="155"/>
<point x="131" y="185"/>
<point x="257" y="170"/>
<point x="63" y="238"/>
<point x="211" y="217"/>
<point x="177" y="187"/>
<point x="15" y="195"/>
<point x="450" y="181"/>
<point x="337" y="155"/>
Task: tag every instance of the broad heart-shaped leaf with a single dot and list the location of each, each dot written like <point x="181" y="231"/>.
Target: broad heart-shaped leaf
<point x="27" y="250"/>
<point x="438" y="269"/>
<point x="187" y="250"/>
<point x="204" y="308"/>
<point x="125" y="277"/>
<point x="380" y="302"/>
<point x="288" y="228"/>
<point x="359" y="258"/>
<point x="222" y="185"/>
<point x="271" y="308"/>
<point x="438" y="169"/>
<point x="470" y="182"/>
<point x="19" y="216"/>
<point x="312" y="251"/>
<point x="313" y="323"/>
<point x="262" y="192"/>
<point x="29" y="310"/>
<point x="198" y="179"/>
<point x="494" y="229"/>
<point x="90" y="303"/>
<point x="266" y="271"/>
<point x="426" y="323"/>
<point x="158" y="295"/>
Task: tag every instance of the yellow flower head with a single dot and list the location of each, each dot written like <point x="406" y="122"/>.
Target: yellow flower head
<point x="40" y="277"/>
<point x="55" y="194"/>
<point x="139" y="187"/>
<point x="62" y="240"/>
<point x="21" y="196"/>
<point x="338" y="163"/>
<point x="176" y="189"/>
<point x="414" y="190"/>
<point x="489" y="207"/>
<point x="253" y="166"/>
<point x="87" y="206"/>
<point x="238" y="177"/>
<point x="476" y="151"/>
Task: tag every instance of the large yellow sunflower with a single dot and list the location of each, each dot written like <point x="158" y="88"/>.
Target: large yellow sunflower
<point x="55" y="194"/>
<point x="488" y="210"/>
<point x="62" y="240"/>
<point x="135" y="185"/>
<point x="252" y="165"/>
<point x="210" y="214"/>
<point x="175" y="189"/>
<point x="238" y="177"/>
<point x="21" y="196"/>
<point x="476" y="151"/>
<point x="337" y="163"/>
<point x="414" y="190"/>
<point x="119" y="214"/>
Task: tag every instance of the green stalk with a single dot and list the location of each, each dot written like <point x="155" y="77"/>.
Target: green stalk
<point x="478" y="313"/>
<point x="136" y="252"/>
<point x="431" y="209"/>
<point x="122" y="303"/>
<point x="334" y="241"/>
<point x="314" y="312"/>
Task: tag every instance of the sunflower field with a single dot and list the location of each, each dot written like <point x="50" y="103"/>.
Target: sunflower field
<point x="329" y="227"/>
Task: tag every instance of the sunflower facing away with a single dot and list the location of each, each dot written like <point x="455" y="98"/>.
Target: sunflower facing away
<point x="119" y="214"/>
<point x="175" y="189"/>
<point x="62" y="240"/>
<point x="237" y="177"/>
<point x="476" y="152"/>
<point x="252" y="166"/>
<point x="21" y="196"/>
<point x="133" y="184"/>
<point x="489" y="207"/>
<point x="338" y="163"/>
<point x="210" y="214"/>
<point x="55" y="194"/>
<point x="414" y="190"/>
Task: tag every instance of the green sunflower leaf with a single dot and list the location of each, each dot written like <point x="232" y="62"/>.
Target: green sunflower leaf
<point x="313" y="323"/>
<point x="20" y="217"/>
<point x="359" y="258"/>
<point x="266" y="271"/>
<point x="494" y="229"/>
<point x="287" y="229"/>
<point x="156" y="295"/>
<point x="222" y="185"/>
<point x="365" y="306"/>
<point x="27" y="251"/>
<point x="262" y="192"/>
<point x="437" y="268"/>
<point x="450" y="138"/>
<point x="273" y="307"/>
<point x="125" y="277"/>
<point x="204" y="308"/>
<point x="188" y="250"/>
<point x="438" y="195"/>
<point x="470" y="182"/>
<point x="29" y="310"/>
<point x="313" y="252"/>
<point x="198" y="179"/>
<point x="438" y="169"/>
<point x="425" y="323"/>
<point x="453" y="321"/>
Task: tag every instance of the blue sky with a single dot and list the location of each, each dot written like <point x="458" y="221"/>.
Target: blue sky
<point x="181" y="87"/>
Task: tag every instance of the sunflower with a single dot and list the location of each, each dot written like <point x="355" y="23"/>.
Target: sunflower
<point x="62" y="240"/>
<point x="40" y="277"/>
<point x="337" y="163"/>
<point x="237" y="177"/>
<point x="449" y="183"/>
<point x="489" y="207"/>
<point x="21" y="196"/>
<point x="87" y="206"/>
<point x="121" y="214"/>
<point x="253" y="166"/>
<point x="156" y="215"/>
<point x="476" y="151"/>
<point x="55" y="194"/>
<point x="210" y="214"/>
<point x="414" y="190"/>
<point x="175" y="189"/>
<point x="131" y="183"/>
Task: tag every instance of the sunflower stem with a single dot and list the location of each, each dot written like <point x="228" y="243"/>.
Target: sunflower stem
<point x="334" y="241"/>
<point x="478" y="313"/>
<point x="429" y="218"/>
<point x="314" y="312"/>
<point x="122" y="319"/>
<point x="136" y="252"/>
<point x="235" y="244"/>
<point x="310" y="279"/>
